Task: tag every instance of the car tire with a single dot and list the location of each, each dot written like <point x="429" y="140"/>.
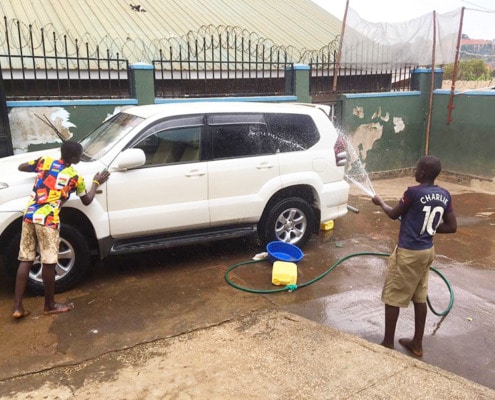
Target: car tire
<point x="73" y="263"/>
<point x="290" y="220"/>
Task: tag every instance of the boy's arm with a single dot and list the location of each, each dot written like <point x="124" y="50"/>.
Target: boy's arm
<point x="392" y="212"/>
<point x="448" y="224"/>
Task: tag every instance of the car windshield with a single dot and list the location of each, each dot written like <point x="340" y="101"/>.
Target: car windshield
<point x="107" y="135"/>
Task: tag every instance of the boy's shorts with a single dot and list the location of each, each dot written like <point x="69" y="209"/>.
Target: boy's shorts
<point x="34" y="236"/>
<point x="407" y="277"/>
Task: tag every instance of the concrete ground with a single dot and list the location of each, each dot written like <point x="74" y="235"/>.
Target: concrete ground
<point x="166" y="325"/>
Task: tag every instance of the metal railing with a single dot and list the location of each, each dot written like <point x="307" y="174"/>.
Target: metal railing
<point x="39" y="69"/>
<point x="227" y="63"/>
<point x="355" y="79"/>
<point x="213" y="67"/>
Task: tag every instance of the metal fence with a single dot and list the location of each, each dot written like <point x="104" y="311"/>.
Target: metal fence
<point x="222" y="63"/>
<point x="215" y="67"/>
<point x="355" y="79"/>
<point x="42" y="67"/>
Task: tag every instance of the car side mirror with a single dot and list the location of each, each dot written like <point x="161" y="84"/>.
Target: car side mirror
<point x="130" y="158"/>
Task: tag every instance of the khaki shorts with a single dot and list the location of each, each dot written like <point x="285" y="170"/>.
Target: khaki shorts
<point x="34" y="236"/>
<point x="407" y="277"/>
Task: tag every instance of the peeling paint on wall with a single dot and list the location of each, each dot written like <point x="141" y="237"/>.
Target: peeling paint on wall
<point x="363" y="138"/>
<point x="30" y="129"/>
<point x="365" y="135"/>
<point x="378" y="114"/>
<point x="358" y="111"/>
<point x="399" y="124"/>
<point x="60" y="117"/>
<point x="29" y="126"/>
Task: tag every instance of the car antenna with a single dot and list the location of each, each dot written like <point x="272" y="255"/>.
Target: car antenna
<point x="47" y="121"/>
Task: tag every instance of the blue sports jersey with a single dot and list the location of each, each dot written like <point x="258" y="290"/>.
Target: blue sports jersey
<point x="426" y="205"/>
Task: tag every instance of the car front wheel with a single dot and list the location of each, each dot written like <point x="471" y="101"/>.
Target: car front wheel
<point x="73" y="262"/>
<point x="290" y="220"/>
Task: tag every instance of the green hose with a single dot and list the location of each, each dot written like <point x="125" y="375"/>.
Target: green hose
<point x="291" y="288"/>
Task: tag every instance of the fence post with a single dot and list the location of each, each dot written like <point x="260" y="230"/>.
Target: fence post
<point x="421" y="80"/>
<point x="297" y="82"/>
<point x="5" y="135"/>
<point x="142" y="83"/>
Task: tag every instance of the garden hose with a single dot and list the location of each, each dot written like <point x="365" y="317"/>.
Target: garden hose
<point x="291" y="288"/>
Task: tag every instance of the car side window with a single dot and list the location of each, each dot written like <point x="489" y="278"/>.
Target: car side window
<point x="292" y="132"/>
<point x="240" y="135"/>
<point x="165" y="144"/>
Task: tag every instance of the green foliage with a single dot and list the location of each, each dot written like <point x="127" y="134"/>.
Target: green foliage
<point x="469" y="70"/>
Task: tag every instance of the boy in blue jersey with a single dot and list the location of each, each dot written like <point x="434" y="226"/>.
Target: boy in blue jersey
<point x="424" y="210"/>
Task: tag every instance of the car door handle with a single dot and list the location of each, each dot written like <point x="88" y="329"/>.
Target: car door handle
<point x="195" y="173"/>
<point x="265" y="165"/>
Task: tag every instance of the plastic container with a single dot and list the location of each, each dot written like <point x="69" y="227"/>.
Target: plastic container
<point x="284" y="273"/>
<point x="327" y="226"/>
<point x="282" y="251"/>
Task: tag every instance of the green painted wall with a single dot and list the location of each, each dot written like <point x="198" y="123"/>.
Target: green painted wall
<point x="387" y="130"/>
<point x="467" y="144"/>
<point x="390" y="130"/>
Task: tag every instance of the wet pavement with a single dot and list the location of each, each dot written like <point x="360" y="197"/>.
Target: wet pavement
<point x="175" y="295"/>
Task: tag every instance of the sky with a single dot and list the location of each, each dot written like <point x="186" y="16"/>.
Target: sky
<point x="476" y="24"/>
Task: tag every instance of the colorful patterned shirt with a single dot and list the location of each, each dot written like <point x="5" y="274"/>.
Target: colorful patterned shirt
<point x="53" y="185"/>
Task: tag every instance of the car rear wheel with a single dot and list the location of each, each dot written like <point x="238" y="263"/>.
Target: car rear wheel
<point x="73" y="262"/>
<point x="290" y="220"/>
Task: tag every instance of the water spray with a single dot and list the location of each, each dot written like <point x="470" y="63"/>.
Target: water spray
<point x="368" y="190"/>
<point x="355" y="170"/>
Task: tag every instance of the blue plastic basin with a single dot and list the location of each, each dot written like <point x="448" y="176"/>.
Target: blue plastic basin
<point x="282" y="251"/>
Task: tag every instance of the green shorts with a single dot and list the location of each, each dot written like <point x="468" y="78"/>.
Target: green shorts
<point x="407" y="276"/>
<point x="34" y="237"/>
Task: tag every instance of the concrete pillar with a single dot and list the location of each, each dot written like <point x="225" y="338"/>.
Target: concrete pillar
<point x="421" y="79"/>
<point x="142" y="83"/>
<point x="297" y="82"/>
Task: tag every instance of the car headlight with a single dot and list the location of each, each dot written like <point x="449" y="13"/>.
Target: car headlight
<point x="3" y="185"/>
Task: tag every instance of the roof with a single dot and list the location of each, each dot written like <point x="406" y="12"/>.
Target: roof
<point x="137" y="29"/>
<point x="475" y="42"/>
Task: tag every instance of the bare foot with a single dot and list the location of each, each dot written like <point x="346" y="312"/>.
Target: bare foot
<point x="20" y="313"/>
<point x="59" y="308"/>
<point x="409" y="345"/>
<point x="387" y="345"/>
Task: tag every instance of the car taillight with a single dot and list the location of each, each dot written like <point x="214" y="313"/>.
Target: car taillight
<point x="340" y="150"/>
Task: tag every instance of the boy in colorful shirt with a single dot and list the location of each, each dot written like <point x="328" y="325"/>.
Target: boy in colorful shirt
<point x="424" y="210"/>
<point x="54" y="183"/>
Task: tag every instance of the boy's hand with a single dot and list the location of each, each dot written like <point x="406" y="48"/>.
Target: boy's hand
<point x="102" y="176"/>
<point x="377" y="200"/>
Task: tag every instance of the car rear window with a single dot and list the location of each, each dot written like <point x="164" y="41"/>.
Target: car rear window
<point x="292" y="132"/>
<point x="252" y="134"/>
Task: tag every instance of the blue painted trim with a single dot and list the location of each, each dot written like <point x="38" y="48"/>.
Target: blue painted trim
<point x="143" y="66"/>
<point x="480" y="93"/>
<point x="445" y="91"/>
<point x="68" y="103"/>
<point x="385" y="94"/>
<point x="466" y="93"/>
<point x="225" y="99"/>
<point x="301" y="67"/>
<point x="426" y="71"/>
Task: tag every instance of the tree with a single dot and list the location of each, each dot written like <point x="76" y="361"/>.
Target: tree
<point x="469" y="70"/>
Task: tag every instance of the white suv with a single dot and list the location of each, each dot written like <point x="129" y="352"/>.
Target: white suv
<point x="190" y="172"/>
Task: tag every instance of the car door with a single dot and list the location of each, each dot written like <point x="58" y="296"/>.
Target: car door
<point x="243" y="168"/>
<point x="168" y="193"/>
